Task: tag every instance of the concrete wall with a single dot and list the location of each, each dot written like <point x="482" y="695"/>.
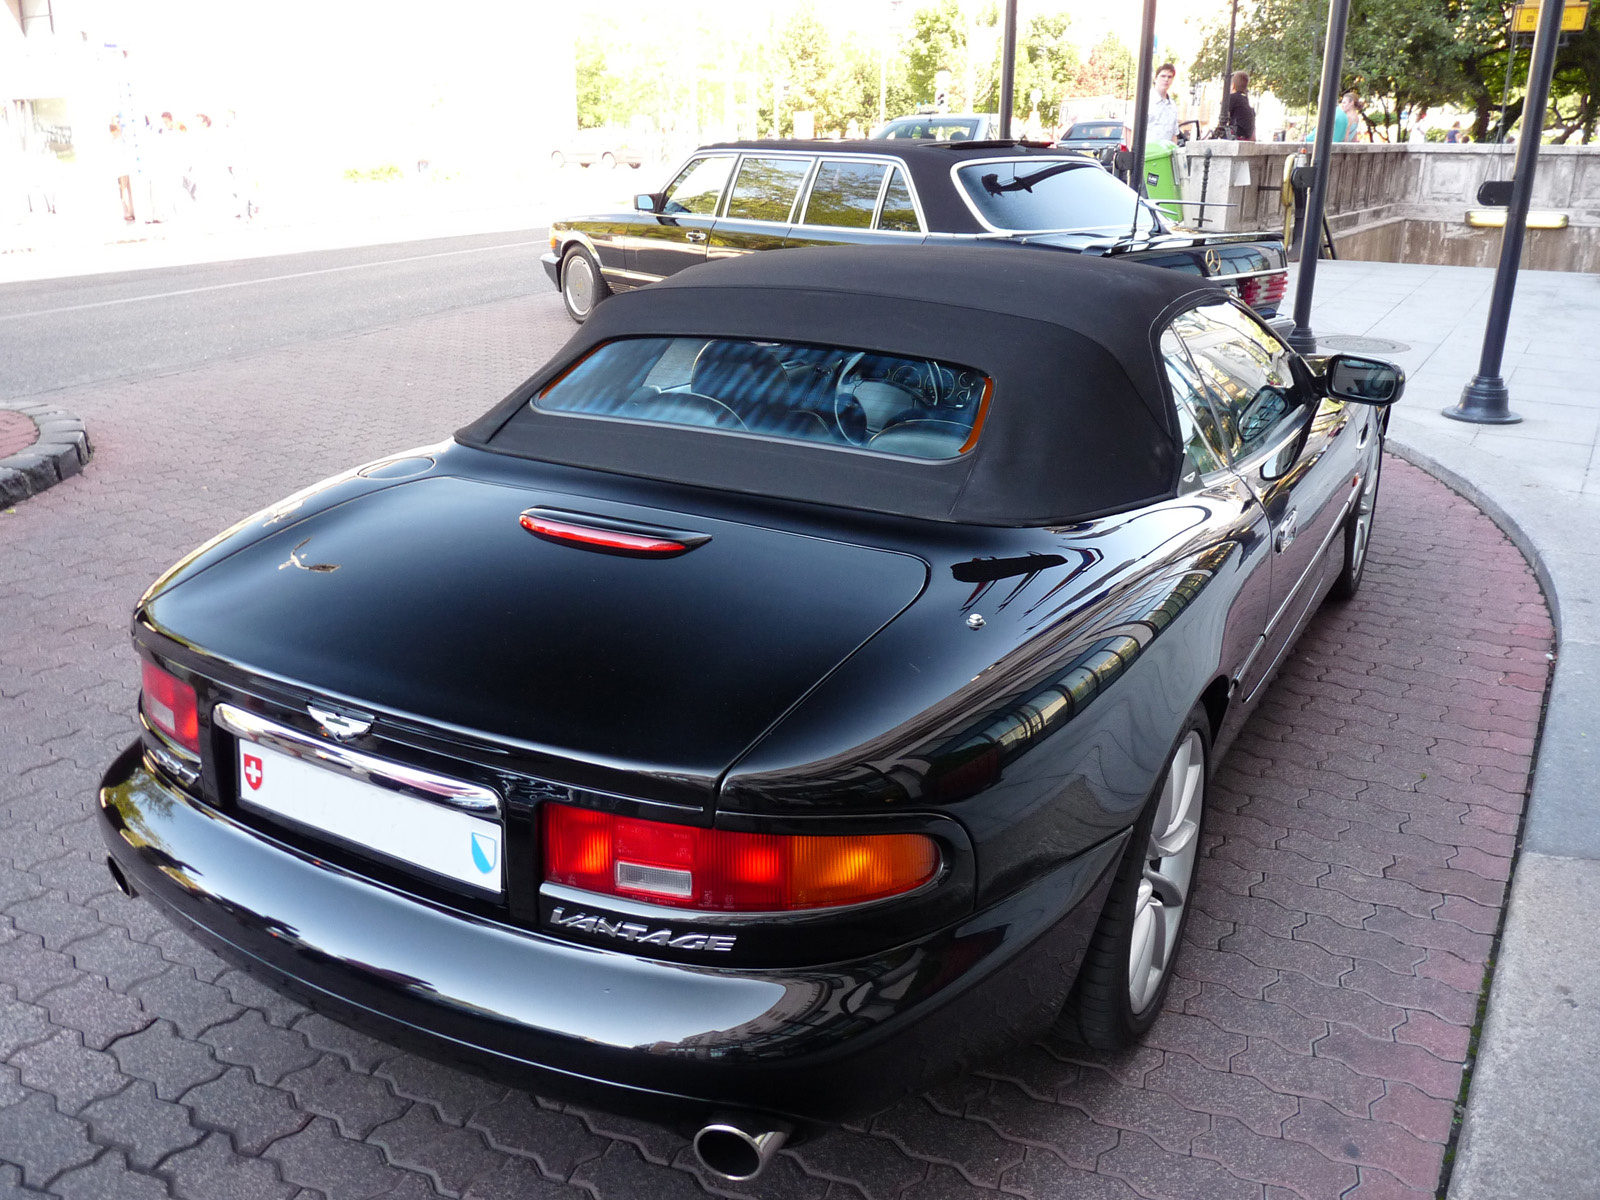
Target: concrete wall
<point x="1405" y="202"/>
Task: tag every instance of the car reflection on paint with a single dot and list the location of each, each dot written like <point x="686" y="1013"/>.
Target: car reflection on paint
<point x="803" y="686"/>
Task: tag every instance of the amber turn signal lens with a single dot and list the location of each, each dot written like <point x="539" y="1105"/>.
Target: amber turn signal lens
<point x="711" y="869"/>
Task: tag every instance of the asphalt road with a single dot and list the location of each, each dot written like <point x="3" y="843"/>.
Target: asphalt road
<point x="61" y="333"/>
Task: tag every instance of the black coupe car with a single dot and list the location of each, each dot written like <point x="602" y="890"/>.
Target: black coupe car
<point x="742" y="197"/>
<point x="803" y="686"/>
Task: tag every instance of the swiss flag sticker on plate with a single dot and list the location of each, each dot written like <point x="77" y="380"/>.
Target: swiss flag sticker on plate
<point x="252" y="771"/>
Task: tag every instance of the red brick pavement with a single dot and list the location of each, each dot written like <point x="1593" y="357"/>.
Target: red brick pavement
<point x="1361" y="837"/>
<point x="17" y="433"/>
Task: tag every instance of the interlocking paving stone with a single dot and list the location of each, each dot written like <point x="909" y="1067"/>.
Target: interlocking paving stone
<point x="317" y="1157"/>
<point x="557" y="1141"/>
<point x="450" y="1154"/>
<point x="66" y="1069"/>
<point x="1352" y="879"/>
<point x="213" y="1168"/>
<point x="145" y="1128"/>
<point x="255" y="1116"/>
<point x="41" y="1142"/>
<point x="11" y="1186"/>
<point x="95" y="1011"/>
<point x="268" y="1052"/>
<point x="172" y="1063"/>
<point x="109" y="1177"/>
<point x="455" y="1094"/>
<point x="357" y="1103"/>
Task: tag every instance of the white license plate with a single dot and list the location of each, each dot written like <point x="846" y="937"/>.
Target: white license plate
<point x="441" y="840"/>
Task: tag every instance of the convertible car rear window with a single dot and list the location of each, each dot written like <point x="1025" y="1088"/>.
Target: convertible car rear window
<point x="1037" y="194"/>
<point x="834" y="395"/>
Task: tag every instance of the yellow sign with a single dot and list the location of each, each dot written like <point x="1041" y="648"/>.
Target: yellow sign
<point x="1574" y="17"/>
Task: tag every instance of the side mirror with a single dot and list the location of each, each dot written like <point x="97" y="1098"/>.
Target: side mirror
<point x="649" y="202"/>
<point x="1364" y="380"/>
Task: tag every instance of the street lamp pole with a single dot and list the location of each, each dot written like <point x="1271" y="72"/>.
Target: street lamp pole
<point x="1141" y="94"/>
<point x="1486" y="400"/>
<point x="1008" y="67"/>
<point x="1227" y="66"/>
<point x="1301" y="337"/>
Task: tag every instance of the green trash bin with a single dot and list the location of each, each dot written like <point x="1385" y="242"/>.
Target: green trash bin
<point x="1161" y="177"/>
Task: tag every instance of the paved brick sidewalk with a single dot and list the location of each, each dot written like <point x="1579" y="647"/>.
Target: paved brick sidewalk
<point x="1361" y="836"/>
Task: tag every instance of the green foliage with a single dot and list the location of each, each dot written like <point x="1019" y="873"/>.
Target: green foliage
<point x="1047" y="59"/>
<point x="1109" y="71"/>
<point x="1402" y="53"/>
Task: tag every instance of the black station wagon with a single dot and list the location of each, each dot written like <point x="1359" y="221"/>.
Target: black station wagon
<point x="734" y="199"/>
<point x="804" y="685"/>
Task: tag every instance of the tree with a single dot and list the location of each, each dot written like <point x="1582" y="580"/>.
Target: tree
<point x="1109" y="70"/>
<point x="1047" y="59"/>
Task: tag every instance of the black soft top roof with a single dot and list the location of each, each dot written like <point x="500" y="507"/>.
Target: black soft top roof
<point x="929" y="163"/>
<point x="1079" y="424"/>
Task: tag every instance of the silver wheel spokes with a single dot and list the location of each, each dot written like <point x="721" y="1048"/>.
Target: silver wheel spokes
<point x="580" y="285"/>
<point x="1364" y="510"/>
<point x="1168" y="872"/>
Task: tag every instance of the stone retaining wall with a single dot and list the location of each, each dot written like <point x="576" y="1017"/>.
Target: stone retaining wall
<point x="1405" y="202"/>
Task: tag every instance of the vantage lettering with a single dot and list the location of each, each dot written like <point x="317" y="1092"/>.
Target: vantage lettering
<point x="641" y="935"/>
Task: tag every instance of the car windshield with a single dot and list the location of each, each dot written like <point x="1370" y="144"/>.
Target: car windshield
<point x="834" y="395"/>
<point x="1095" y="131"/>
<point x="942" y="129"/>
<point x="1038" y="194"/>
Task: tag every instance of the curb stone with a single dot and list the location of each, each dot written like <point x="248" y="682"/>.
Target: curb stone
<point x="62" y="449"/>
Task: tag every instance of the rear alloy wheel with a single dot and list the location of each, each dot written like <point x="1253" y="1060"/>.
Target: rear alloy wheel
<point x="581" y="284"/>
<point x="1128" y="966"/>
<point x="1358" y="533"/>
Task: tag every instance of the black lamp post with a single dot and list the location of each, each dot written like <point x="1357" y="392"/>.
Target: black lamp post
<point x="1008" y="67"/>
<point x="1227" y="66"/>
<point x="1141" y="94"/>
<point x="1301" y="337"/>
<point x="1486" y="400"/>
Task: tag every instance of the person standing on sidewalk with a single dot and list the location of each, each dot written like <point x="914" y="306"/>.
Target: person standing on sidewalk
<point x="1162" y="125"/>
<point x="1239" y="116"/>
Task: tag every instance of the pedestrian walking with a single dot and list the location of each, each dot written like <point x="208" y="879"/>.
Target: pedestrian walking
<point x="1162" y="125"/>
<point x="1239" y="116"/>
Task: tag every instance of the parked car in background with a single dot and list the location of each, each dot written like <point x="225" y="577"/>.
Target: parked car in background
<point x="804" y="686"/>
<point x="942" y="127"/>
<point x="607" y="148"/>
<point x="742" y="197"/>
<point x="1096" y="136"/>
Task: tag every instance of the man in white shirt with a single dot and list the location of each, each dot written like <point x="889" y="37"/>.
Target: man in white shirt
<point x="1162" y="125"/>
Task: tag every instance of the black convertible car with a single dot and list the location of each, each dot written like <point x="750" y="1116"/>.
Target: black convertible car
<point x="741" y="198"/>
<point x="803" y="686"/>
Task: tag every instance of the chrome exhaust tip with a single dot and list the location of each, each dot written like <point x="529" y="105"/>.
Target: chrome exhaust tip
<point x="736" y="1148"/>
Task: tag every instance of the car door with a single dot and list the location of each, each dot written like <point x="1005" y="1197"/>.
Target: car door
<point x="760" y="204"/>
<point x="1288" y="445"/>
<point x="1232" y="508"/>
<point x="857" y="200"/>
<point x="676" y="237"/>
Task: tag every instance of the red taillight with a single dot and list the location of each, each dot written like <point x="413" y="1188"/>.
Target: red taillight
<point x="600" y="539"/>
<point x="169" y="704"/>
<point x="688" y="867"/>
<point x="1263" y="289"/>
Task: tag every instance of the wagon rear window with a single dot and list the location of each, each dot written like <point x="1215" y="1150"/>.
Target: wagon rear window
<point x="834" y="395"/>
<point x="1040" y="193"/>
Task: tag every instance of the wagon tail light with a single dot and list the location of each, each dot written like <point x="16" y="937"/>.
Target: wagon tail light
<point x="713" y="870"/>
<point x="169" y="705"/>
<point x="1264" y="290"/>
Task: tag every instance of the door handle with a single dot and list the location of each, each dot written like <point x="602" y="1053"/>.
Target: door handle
<point x="1288" y="529"/>
<point x="695" y="235"/>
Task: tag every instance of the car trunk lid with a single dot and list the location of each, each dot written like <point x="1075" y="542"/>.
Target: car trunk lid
<point x="435" y="600"/>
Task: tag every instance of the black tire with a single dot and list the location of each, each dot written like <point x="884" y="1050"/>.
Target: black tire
<point x="1103" y="1010"/>
<point x="608" y="160"/>
<point x="1358" y="532"/>
<point x="582" y="285"/>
